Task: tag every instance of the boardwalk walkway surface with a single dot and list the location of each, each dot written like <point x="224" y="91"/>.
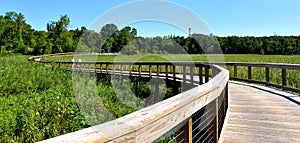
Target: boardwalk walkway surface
<point x="261" y="114"/>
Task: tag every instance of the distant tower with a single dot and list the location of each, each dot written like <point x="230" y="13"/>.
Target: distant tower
<point x="190" y="32"/>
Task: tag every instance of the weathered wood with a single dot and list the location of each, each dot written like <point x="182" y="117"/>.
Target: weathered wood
<point x="174" y="72"/>
<point x="283" y="77"/>
<point x="249" y="72"/>
<point x="107" y="68"/>
<point x="188" y="131"/>
<point x="167" y="72"/>
<point x="131" y="68"/>
<point x="192" y="71"/>
<point x="184" y="73"/>
<point x="206" y="74"/>
<point x="216" y="123"/>
<point x="235" y="71"/>
<point x="267" y="74"/>
<point x="200" y="74"/>
<point x="157" y="70"/>
<point x="140" y="70"/>
<point x="101" y="68"/>
<point x="260" y="116"/>
<point x="150" y="71"/>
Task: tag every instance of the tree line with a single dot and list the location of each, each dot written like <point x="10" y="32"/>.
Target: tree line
<point x="17" y="36"/>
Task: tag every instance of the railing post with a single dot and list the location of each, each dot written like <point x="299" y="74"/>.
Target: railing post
<point x="107" y="68"/>
<point x="167" y="72"/>
<point x="95" y="68"/>
<point x="206" y="73"/>
<point x="184" y="73"/>
<point x="249" y="73"/>
<point x="157" y="70"/>
<point x="140" y="70"/>
<point x="121" y="67"/>
<point x="113" y="69"/>
<point x="150" y="70"/>
<point x="187" y="136"/>
<point x="160" y="69"/>
<point x="101" y="66"/>
<point x="235" y="71"/>
<point x="174" y="72"/>
<point x="192" y="73"/>
<point x="130" y="72"/>
<point x="201" y="74"/>
<point x="267" y="75"/>
<point x="283" y="73"/>
<point x="216" y="121"/>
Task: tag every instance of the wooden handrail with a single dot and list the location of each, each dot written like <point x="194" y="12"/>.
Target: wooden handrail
<point x="150" y="123"/>
<point x="267" y="67"/>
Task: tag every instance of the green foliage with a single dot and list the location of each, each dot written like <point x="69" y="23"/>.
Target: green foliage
<point x="36" y="102"/>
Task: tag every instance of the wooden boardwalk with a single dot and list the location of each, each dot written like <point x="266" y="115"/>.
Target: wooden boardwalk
<point x="261" y="114"/>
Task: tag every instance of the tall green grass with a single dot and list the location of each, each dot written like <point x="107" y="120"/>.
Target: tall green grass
<point x="38" y="102"/>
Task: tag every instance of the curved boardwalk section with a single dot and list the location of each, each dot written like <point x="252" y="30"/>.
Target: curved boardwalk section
<point x="260" y="114"/>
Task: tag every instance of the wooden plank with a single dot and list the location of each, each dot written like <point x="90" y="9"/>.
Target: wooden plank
<point x="255" y="116"/>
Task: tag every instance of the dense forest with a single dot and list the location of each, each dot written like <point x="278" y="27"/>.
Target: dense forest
<point x="17" y="36"/>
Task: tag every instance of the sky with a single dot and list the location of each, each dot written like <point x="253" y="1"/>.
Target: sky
<point x="222" y="17"/>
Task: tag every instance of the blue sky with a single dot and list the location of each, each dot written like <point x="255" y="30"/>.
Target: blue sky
<point x="223" y="17"/>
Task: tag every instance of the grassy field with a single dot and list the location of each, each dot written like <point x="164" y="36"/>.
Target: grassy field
<point x="38" y="102"/>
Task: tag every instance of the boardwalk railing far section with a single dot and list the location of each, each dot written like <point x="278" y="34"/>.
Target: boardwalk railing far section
<point x="285" y="76"/>
<point x="195" y="115"/>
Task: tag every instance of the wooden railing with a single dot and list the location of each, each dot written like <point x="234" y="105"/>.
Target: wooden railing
<point x="249" y="69"/>
<point x="195" y="115"/>
<point x="266" y="68"/>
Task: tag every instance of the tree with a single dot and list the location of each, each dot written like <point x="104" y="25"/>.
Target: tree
<point x="108" y="30"/>
<point x="60" y="36"/>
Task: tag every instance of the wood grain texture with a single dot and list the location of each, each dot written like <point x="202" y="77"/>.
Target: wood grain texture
<point x="256" y="115"/>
